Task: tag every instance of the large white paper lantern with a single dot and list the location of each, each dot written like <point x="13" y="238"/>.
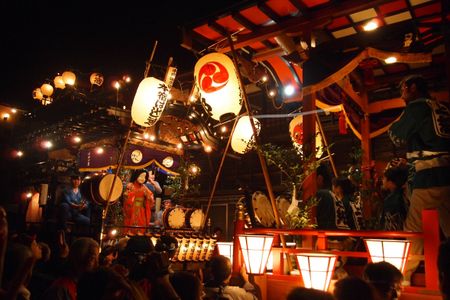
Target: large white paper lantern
<point x="218" y="85"/>
<point x="149" y="101"/>
<point x="296" y="133"/>
<point x="243" y="138"/>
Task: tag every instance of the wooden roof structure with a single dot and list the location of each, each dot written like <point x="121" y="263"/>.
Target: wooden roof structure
<point x="284" y="35"/>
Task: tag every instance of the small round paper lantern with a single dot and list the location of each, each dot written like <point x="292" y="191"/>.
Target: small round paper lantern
<point x="296" y="133"/>
<point x="218" y="85"/>
<point x="69" y="77"/>
<point x="149" y="101"/>
<point x="243" y="138"/>
<point x="59" y="83"/>
<point x="37" y="94"/>
<point x="96" y="79"/>
<point x="47" y="89"/>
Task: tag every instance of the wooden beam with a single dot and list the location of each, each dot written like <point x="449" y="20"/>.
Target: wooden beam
<point x="347" y="87"/>
<point x="314" y="19"/>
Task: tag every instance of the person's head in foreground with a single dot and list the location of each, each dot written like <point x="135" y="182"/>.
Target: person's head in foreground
<point x="385" y="278"/>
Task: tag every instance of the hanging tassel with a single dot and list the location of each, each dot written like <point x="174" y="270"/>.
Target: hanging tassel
<point x="342" y="123"/>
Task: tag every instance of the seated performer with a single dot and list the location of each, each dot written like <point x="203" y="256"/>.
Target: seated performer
<point x="73" y="206"/>
<point x="137" y="204"/>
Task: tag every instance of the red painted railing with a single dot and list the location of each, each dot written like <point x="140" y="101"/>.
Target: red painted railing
<point x="430" y="236"/>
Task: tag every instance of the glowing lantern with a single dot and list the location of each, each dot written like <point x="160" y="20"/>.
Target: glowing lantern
<point x="243" y="138"/>
<point x="69" y="77"/>
<point x="296" y="133"/>
<point x="149" y="101"/>
<point x="226" y="249"/>
<point x="59" y="83"/>
<point x="394" y="252"/>
<point x="96" y="79"/>
<point x="37" y="94"/>
<point x="317" y="269"/>
<point x="256" y="250"/>
<point x="47" y="90"/>
<point x="218" y="85"/>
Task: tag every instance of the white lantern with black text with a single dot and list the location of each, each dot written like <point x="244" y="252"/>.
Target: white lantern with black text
<point x="243" y="138"/>
<point x="149" y="101"/>
<point x="256" y="250"/>
<point x="218" y="85"/>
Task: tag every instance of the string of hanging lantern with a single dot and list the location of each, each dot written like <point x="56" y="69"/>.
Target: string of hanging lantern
<point x="45" y="93"/>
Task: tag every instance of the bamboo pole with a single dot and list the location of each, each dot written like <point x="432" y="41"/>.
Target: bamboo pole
<point x="219" y="170"/>
<point x="121" y="157"/>
<point x="324" y="139"/>
<point x="260" y="155"/>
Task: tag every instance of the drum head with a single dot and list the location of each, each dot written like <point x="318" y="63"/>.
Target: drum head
<point x="196" y="219"/>
<point x="175" y="218"/>
<point x="282" y="205"/>
<point x="262" y="209"/>
<point x="105" y="185"/>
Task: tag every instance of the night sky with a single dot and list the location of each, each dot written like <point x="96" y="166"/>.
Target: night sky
<point x="41" y="38"/>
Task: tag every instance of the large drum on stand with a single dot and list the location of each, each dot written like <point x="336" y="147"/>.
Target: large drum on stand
<point x="97" y="189"/>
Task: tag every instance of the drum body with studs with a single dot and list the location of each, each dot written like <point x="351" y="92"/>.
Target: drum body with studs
<point x="195" y="219"/>
<point x="99" y="188"/>
<point x="174" y="218"/>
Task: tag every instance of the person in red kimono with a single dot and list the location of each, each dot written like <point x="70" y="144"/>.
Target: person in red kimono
<point x="137" y="204"/>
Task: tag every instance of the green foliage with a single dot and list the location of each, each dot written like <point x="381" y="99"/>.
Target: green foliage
<point x="295" y="168"/>
<point x="183" y="184"/>
<point x="300" y="217"/>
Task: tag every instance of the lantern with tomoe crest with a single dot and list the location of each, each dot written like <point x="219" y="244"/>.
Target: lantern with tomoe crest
<point x="149" y="101"/>
<point x="218" y="84"/>
<point x="296" y="133"/>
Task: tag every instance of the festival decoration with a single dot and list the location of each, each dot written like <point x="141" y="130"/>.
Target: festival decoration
<point x="96" y="79"/>
<point x="394" y="252"/>
<point x="256" y="250"/>
<point x="149" y="101"/>
<point x="243" y="138"/>
<point x="296" y="133"/>
<point x="218" y="84"/>
<point x="316" y="269"/>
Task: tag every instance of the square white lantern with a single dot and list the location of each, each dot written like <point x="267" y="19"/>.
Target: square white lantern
<point x="394" y="252"/>
<point x="256" y="250"/>
<point x="226" y="249"/>
<point x="316" y="269"/>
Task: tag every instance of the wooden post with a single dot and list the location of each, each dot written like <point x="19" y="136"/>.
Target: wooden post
<point x="431" y="242"/>
<point x="366" y="151"/>
<point x="262" y="160"/>
<point x="238" y="229"/>
<point x="309" y="187"/>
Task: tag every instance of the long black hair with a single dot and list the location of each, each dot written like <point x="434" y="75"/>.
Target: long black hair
<point x="138" y="172"/>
